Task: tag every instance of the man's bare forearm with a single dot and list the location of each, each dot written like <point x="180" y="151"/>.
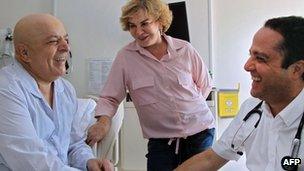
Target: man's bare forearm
<point x="204" y="161"/>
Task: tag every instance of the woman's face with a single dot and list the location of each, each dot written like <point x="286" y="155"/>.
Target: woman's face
<point x="144" y="29"/>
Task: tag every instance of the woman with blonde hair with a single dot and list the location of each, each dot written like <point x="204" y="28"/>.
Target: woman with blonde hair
<point x="168" y="83"/>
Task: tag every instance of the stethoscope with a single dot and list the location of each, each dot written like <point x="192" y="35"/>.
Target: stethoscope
<point x="296" y="142"/>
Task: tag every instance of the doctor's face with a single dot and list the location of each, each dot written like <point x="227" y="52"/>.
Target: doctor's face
<point x="144" y="29"/>
<point x="270" y="81"/>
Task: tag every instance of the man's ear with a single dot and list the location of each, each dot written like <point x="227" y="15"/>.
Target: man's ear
<point x="298" y="69"/>
<point x="22" y="52"/>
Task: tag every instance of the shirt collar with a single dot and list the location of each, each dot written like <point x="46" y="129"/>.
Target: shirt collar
<point x="293" y="111"/>
<point x="174" y="45"/>
<point x="30" y="83"/>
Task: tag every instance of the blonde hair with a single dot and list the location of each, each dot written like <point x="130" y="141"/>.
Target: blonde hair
<point x="155" y="8"/>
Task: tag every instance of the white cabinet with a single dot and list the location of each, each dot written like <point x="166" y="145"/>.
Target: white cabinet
<point x="133" y="147"/>
<point x="212" y="104"/>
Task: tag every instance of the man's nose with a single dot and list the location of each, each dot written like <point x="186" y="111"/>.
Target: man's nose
<point x="249" y="65"/>
<point x="64" y="45"/>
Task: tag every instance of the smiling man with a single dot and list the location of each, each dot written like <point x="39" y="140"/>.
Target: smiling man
<point x="267" y="128"/>
<point x="37" y="106"/>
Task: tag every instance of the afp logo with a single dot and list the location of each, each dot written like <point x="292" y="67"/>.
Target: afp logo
<point x="289" y="163"/>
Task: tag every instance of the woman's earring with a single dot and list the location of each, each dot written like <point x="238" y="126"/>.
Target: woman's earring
<point x="161" y="31"/>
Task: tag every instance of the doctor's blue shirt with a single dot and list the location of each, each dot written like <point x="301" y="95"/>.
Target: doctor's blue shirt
<point x="34" y="136"/>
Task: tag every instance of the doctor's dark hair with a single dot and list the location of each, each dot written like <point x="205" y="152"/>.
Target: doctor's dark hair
<point x="156" y="9"/>
<point x="292" y="30"/>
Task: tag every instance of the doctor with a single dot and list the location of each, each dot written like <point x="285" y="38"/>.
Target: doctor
<point x="276" y="66"/>
<point x="38" y="107"/>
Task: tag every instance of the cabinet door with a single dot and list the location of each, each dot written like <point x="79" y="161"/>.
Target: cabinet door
<point x="133" y="145"/>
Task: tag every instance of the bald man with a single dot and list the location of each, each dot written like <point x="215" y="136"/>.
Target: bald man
<point x="37" y="106"/>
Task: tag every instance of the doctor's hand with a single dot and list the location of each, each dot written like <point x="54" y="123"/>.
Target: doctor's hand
<point x="99" y="165"/>
<point x="99" y="130"/>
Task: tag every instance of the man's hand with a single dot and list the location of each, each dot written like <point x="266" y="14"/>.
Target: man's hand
<point x="107" y="165"/>
<point x="98" y="131"/>
<point x="99" y="165"/>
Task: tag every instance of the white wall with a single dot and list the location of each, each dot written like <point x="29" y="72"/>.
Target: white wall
<point x="233" y="26"/>
<point x="12" y="10"/>
<point x="95" y="32"/>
